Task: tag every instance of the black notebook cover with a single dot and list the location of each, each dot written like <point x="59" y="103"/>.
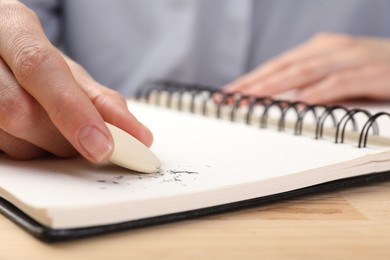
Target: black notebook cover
<point x="47" y="234"/>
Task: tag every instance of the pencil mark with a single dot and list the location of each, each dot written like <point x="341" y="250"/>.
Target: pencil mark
<point x="181" y="171"/>
<point x="136" y="181"/>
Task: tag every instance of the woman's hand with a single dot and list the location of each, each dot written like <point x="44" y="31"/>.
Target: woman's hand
<point x="48" y="103"/>
<point x="327" y="68"/>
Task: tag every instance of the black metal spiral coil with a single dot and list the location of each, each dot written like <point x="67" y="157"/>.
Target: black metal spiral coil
<point x="236" y="100"/>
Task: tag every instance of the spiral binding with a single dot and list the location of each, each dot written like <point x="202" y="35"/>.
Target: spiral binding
<point x="235" y="100"/>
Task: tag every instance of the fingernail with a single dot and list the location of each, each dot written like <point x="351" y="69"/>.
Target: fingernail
<point x="95" y="143"/>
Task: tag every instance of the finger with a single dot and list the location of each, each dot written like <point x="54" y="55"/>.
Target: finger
<point x="22" y="117"/>
<point x="111" y="105"/>
<point x="43" y="73"/>
<point x="113" y="109"/>
<point x="304" y="73"/>
<point x="370" y="81"/>
<point x="17" y="148"/>
<point x="320" y="45"/>
<point x="272" y="66"/>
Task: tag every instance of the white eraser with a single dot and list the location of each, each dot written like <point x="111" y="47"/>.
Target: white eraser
<point x="131" y="153"/>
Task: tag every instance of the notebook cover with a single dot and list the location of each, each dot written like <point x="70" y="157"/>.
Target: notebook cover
<point x="47" y="234"/>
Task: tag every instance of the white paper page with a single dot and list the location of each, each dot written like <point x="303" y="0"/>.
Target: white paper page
<point x="197" y="154"/>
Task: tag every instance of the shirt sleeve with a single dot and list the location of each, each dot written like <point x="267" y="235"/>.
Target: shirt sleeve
<point x="50" y="16"/>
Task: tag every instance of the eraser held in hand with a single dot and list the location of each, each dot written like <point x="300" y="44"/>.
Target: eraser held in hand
<point x="130" y="153"/>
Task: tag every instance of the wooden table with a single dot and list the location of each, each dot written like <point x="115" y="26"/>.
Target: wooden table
<point x="352" y="223"/>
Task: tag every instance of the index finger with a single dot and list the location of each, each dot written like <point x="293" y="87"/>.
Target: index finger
<point x="315" y="47"/>
<point x="43" y="73"/>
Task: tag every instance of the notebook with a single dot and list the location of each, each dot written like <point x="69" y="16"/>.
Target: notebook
<point x="218" y="152"/>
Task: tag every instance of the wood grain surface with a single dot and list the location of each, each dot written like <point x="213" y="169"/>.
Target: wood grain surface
<point x="352" y="223"/>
